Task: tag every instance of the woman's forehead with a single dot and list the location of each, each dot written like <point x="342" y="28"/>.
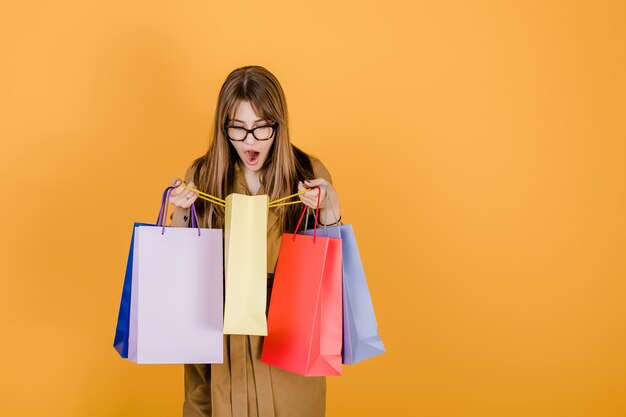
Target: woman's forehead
<point x="244" y="111"/>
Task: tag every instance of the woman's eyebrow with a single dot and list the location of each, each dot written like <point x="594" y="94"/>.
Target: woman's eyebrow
<point x="257" y="121"/>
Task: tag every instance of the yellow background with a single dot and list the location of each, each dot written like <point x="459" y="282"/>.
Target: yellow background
<point x="478" y="148"/>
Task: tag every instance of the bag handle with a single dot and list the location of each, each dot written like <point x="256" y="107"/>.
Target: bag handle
<point x="317" y="210"/>
<point x="163" y="199"/>
<point x="332" y="208"/>
<point x="162" y="217"/>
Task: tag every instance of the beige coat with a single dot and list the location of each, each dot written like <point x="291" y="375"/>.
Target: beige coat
<point x="243" y="386"/>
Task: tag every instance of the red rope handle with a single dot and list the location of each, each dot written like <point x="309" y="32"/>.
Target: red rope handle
<point x="317" y="211"/>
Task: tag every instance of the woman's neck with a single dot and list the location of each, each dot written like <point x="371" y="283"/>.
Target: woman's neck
<point x="252" y="179"/>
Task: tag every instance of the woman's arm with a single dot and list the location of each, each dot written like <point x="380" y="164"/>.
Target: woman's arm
<point x="180" y="217"/>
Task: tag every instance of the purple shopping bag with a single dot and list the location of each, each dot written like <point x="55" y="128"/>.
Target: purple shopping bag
<point x="172" y="303"/>
<point x="360" y="328"/>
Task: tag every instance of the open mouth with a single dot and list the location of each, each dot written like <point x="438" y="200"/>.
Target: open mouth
<point x="252" y="157"/>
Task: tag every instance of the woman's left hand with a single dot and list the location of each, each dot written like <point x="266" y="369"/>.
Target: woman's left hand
<point x="329" y="200"/>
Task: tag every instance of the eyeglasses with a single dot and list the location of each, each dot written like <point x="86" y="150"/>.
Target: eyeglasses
<point x="238" y="133"/>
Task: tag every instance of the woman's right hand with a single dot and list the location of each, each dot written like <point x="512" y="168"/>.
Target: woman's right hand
<point x="182" y="197"/>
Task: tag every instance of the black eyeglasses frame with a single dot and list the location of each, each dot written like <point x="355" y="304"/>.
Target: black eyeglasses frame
<point x="274" y="127"/>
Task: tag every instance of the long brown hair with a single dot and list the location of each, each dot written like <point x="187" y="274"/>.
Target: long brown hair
<point x="285" y="164"/>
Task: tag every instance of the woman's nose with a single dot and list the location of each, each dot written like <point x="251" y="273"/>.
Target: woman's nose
<point x="249" y="139"/>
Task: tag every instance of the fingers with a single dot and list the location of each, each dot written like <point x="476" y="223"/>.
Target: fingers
<point x="303" y="197"/>
<point x="190" y="196"/>
<point x="178" y="190"/>
<point x="315" y="181"/>
<point x="181" y="196"/>
<point x="310" y="198"/>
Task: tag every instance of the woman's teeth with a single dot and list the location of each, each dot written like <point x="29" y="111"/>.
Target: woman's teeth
<point x="252" y="156"/>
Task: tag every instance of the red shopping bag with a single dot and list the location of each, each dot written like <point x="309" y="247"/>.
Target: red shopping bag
<point x="304" y="320"/>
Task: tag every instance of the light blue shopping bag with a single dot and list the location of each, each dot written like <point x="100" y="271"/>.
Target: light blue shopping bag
<point x="360" y="328"/>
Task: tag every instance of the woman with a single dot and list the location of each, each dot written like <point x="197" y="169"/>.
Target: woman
<point x="251" y="153"/>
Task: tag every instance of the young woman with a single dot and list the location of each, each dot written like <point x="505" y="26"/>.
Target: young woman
<point x="251" y="153"/>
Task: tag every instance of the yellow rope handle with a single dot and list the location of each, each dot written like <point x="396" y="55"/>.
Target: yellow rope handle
<point x="207" y="197"/>
<point x="220" y="202"/>
<point x="212" y="201"/>
<point x="285" y="204"/>
<point x="273" y="203"/>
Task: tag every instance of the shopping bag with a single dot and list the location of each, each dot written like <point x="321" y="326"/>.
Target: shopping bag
<point x="360" y="328"/>
<point x="120" y="342"/>
<point x="171" y="309"/>
<point x="245" y="259"/>
<point x="304" y="317"/>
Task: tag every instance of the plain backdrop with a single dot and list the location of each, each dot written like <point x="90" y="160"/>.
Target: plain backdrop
<point x="478" y="148"/>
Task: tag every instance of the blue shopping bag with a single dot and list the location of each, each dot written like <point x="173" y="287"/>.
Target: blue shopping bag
<point x="360" y="328"/>
<point x="122" y="331"/>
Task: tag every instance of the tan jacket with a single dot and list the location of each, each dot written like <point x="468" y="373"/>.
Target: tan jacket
<point x="243" y="386"/>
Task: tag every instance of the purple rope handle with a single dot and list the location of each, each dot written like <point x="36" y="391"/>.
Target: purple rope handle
<point x="163" y="199"/>
<point x="194" y="218"/>
<point x="161" y="218"/>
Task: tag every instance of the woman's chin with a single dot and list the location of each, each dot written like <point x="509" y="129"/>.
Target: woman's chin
<point x="255" y="166"/>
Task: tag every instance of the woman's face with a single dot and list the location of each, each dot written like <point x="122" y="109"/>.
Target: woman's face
<point x="252" y="152"/>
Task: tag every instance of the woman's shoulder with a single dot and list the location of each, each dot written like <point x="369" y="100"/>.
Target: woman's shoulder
<point x="307" y="165"/>
<point x="319" y="169"/>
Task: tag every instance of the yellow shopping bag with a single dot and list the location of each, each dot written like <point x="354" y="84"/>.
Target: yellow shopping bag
<point x="245" y="264"/>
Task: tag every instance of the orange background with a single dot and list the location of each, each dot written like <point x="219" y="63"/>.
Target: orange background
<point x="478" y="148"/>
